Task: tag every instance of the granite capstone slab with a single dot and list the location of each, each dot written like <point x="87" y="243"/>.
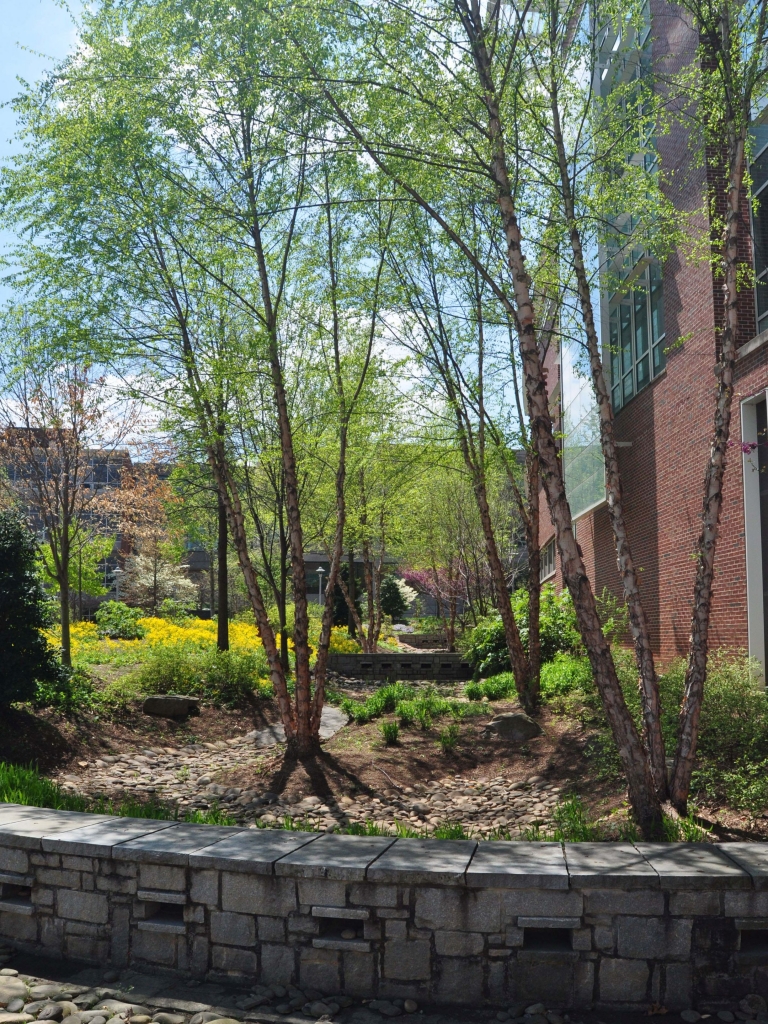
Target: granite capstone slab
<point x="693" y="866"/>
<point x="334" y="856"/>
<point x="173" y="845"/>
<point x="498" y="865"/>
<point x="752" y="858"/>
<point x="99" y="839"/>
<point x="27" y="830"/>
<point x="254" y="851"/>
<point x="424" y="861"/>
<point x="608" y="866"/>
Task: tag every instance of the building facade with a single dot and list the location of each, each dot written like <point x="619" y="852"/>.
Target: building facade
<point x="661" y="338"/>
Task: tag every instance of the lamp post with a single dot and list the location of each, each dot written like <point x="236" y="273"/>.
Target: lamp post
<point x="320" y="572"/>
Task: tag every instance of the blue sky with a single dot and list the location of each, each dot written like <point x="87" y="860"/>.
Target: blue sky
<point x="33" y="34"/>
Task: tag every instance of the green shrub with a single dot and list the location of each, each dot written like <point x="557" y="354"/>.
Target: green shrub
<point x="117" y="621"/>
<point x="500" y="687"/>
<point x="28" y="659"/>
<point x="486" y="647"/>
<point x="220" y="677"/>
<point x="565" y="674"/>
<point x="172" y="610"/>
<point x="392" y="601"/>
<point x="390" y="731"/>
<point x="449" y="737"/>
<point x="384" y="701"/>
<point x="73" y="691"/>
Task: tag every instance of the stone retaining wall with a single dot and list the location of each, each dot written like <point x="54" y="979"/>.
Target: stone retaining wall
<point x="458" y="922"/>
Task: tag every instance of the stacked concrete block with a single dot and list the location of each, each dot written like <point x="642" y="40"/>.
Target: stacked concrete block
<point x="459" y="922"/>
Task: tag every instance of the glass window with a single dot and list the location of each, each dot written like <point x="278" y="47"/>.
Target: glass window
<point x="759" y="172"/>
<point x="636" y="337"/>
<point x="547" y="560"/>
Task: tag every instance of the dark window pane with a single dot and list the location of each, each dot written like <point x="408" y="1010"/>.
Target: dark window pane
<point x="760" y="228"/>
<point x="643" y="372"/>
<point x="657" y="302"/>
<point x="628" y="389"/>
<point x="641" y="323"/>
<point x="626" y="337"/>
<point x="659" y="359"/>
<point x="616" y="399"/>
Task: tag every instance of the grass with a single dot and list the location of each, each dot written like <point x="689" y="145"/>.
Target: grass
<point x="410" y="707"/>
<point x="19" y="785"/>
<point x="390" y="731"/>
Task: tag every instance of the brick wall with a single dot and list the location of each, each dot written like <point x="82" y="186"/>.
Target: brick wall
<point x="669" y="424"/>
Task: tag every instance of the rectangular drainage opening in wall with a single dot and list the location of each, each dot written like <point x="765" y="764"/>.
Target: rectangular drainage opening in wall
<point x="18" y="895"/>
<point x="754" y="940"/>
<point x="334" y="928"/>
<point x="554" y="940"/>
<point x="164" y="913"/>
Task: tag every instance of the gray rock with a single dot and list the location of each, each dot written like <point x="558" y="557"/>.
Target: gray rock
<point x="169" y="1018"/>
<point x="690" y="1016"/>
<point x="203" y="1017"/>
<point x="15" y="1018"/>
<point x="15" y="1006"/>
<point x="51" y="1011"/>
<point x="318" y="1008"/>
<point x="753" y="1003"/>
<point x="171" y="705"/>
<point x="12" y="988"/>
<point x="726" y="1016"/>
<point x="534" y="1007"/>
<point x="284" y="1008"/>
<point x="514" y="727"/>
<point x="410" y="1006"/>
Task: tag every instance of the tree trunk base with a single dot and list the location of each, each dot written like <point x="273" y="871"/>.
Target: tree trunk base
<point x="304" y="749"/>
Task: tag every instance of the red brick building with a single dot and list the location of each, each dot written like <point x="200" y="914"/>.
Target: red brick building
<point x="664" y="405"/>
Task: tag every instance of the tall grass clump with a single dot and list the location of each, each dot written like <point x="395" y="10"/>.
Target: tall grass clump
<point x="221" y="677"/>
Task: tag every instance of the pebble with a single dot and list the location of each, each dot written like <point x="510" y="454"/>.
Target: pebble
<point x="410" y="1006"/>
<point x="690" y="1016"/>
<point x="186" y="777"/>
<point x="726" y="1016"/>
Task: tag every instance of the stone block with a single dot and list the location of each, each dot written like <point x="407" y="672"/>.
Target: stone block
<point x="42" y="897"/>
<point x="16" y="861"/>
<point x="87" y="882"/>
<point x="194" y="915"/>
<point x="449" y="910"/>
<point x="198" y="962"/>
<point x="359" y="973"/>
<point x="319" y="968"/>
<point x="304" y="924"/>
<point x="540" y="903"/>
<point x="424" y="861"/>
<point x="372" y="930"/>
<point x="271" y="929"/>
<point x="116" y="883"/>
<point x="581" y="938"/>
<point x="746" y="904"/>
<point x="82" y="906"/>
<point x="233" y="961"/>
<point x="52" y="934"/>
<point x="393" y="913"/>
<point x="695" y="904"/>
<point x="45" y="860"/>
<point x="120" y="935"/>
<point x="603" y="938"/>
<point x="583" y="983"/>
<point x="18" y="926"/>
<point x="396" y="929"/>
<point x="162" y="876"/>
<point x="407" y="961"/>
<point x="542" y="977"/>
<point x="678" y="984"/>
<point x="373" y="895"/>
<point x="334" y="856"/>
<point x="693" y="866"/>
<point x="84" y="947"/>
<point x="278" y="965"/>
<point x="514" y="937"/>
<point x="258" y="894"/>
<point x="83" y="928"/>
<point x="498" y="990"/>
<point x="518" y="865"/>
<point x="72" y="863"/>
<point x="154" y="948"/>
<point x="623" y="981"/>
<point x="460" y="982"/>
<point x="614" y="901"/>
<point x="322" y="892"/>
<point x="204" y="887"/>
<point x="654" y="938"/>
<point x="55" y="876"/>
<point x="458" y="943"/>
<point x="182" y="955"/>
<point x="608" y="866"/>
<point x="229" y="929"/>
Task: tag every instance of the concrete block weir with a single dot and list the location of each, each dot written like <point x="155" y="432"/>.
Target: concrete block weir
<point x="451" y="922"/>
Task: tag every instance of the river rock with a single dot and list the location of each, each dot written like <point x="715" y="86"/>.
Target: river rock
<point x="514" y="727"/>
<point x="171" y="705"/>
<point x="12" y="988"/>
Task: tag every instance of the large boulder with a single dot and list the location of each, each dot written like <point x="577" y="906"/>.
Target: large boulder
<point x="171" y="705"/>
<point x="514" y="727"/>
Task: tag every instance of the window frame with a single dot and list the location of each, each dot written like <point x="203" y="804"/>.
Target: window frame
<point x="634" y="364"/>
<point x="547" y="558"/>
<point x="761" y="280"/>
